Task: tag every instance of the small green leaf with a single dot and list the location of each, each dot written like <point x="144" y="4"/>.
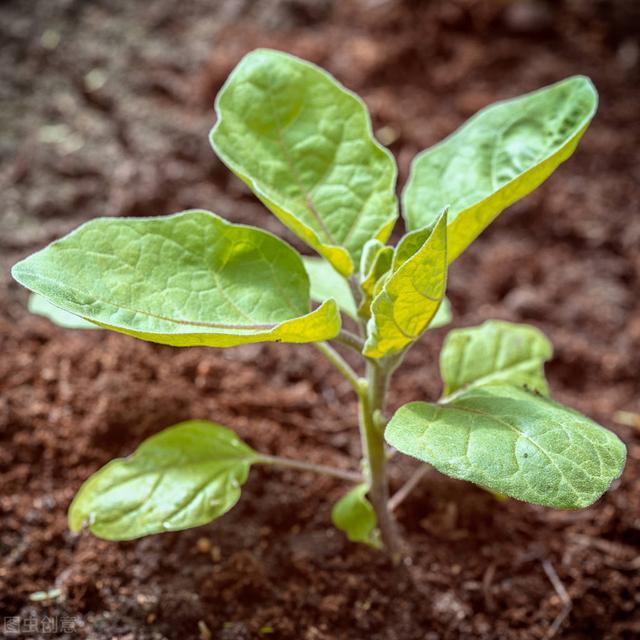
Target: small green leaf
<point x="327" y="284"/>
<point x="303" y="144"/>
<point x="495" y="352"/>
<point x="410" y="297"/>
<point x="182" y="477"/>
<point x="500" y="155"/>
<point x="512" y="442"/>
<point x="40" y="306"/>
<point x="373" y="279"/>
<point x="370" y="252"/>
<point x="409" y="245"/>
<point x="354" y="515"/>
<point x="187" y="279"/>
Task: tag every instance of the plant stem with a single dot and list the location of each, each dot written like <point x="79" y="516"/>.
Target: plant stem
<point x="372" y="404"/>
<point x="356" y="291"/>
<point x="372" y="393"/>
<point x="341" y="365"/>
<point x="350" y="340"/>
<point x="301" y="465"/>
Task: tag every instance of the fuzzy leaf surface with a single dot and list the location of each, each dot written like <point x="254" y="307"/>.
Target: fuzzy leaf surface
<point x="500" y="155"/>
<point x="304" y="146"/>
<point x="182" y="477"/>
<point x="187" y="279"/>
<point x="495" y="352"/>
<point x="410" y="297"/>
<point x="512" y="442"/>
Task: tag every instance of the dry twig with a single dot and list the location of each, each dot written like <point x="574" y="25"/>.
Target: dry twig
<point x="562" y="594"/>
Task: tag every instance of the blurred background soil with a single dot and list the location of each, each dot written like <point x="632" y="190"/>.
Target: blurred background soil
<point x="106" y="106"/>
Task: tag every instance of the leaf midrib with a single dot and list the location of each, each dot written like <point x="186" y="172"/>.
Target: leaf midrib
<point x="119" y="305"/>
<point x="296" y="176"/>
<point x="215" y="473"/>
<point x="520" y="434"/>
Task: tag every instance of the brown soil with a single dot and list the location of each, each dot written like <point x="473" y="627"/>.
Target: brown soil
<point x="106" y="107"/>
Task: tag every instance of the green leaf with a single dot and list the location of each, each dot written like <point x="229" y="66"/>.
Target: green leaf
<point x="409" y="245"/>
<point x="40" y="306"/>
<point x="354" y="515"/>
<point x="512" y="442"/>
<point x="370" y="252"/>
<point x="495" y="352"/>
<point x="187" y="279"/>
<point x="500" y="155"/>
<point x="373" y="279"/>
<point x="327" y="284"/>
<point x="303" y="144"/>
<point x="410" y="297"/>
<point x="182" y="477"/>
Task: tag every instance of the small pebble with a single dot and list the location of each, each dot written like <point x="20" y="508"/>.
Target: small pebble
<point x="203" y="545"/>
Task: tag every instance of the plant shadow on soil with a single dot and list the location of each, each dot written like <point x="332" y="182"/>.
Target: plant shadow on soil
<point x="109" y="104"/>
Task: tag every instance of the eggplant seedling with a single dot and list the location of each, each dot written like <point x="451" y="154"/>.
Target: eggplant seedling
<point x="304" y="146"/>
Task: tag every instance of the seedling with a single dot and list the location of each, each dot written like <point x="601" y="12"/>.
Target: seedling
<point x="303" y="144"/>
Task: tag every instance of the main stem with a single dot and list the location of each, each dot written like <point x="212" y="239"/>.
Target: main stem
<point x="372" y="430"/>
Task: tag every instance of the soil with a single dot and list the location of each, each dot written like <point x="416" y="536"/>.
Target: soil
<point x="106" y="107"/>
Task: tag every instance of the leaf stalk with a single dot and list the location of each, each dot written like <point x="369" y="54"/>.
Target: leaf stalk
<point x="302" y="465"/>
<point x="350" y="340"/>
<point x="342" y="366"/>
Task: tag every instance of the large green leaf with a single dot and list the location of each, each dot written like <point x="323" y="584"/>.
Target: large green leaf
<point x="495" y="352"/>
<point x="303" y="144"/>
<point x="513" y="442"/>
<point x="41" y="306"/>
<point x="327" y="284"/>
<point x="354" y="515"/>
<point x="187" y="279"/>
<point x="410" y="297"/>
<point x="185" y="476"/>
<point x="500" y="155"/>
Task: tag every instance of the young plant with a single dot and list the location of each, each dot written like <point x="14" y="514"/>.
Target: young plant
<point x="303" y="144"/>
